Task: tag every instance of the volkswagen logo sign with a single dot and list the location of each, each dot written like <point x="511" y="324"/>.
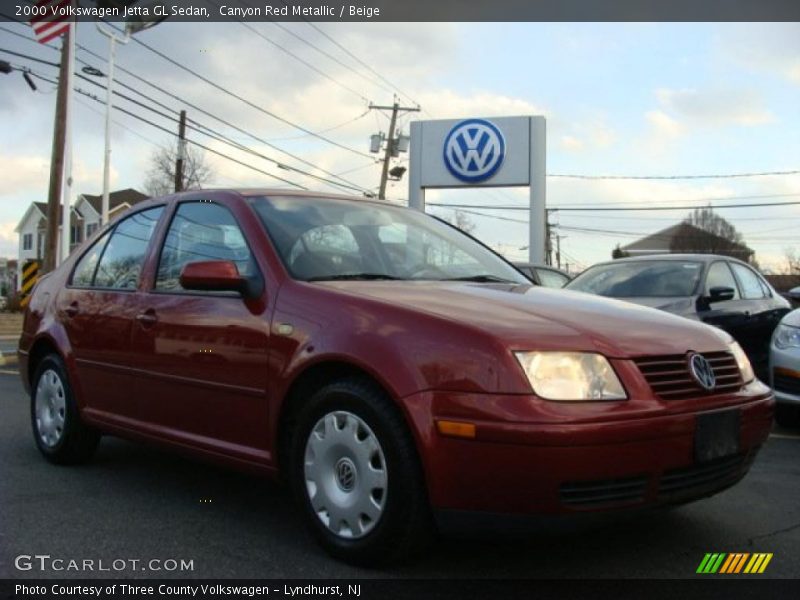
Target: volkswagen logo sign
<point x="702" y="371"/>
<point x="474" y="150"/>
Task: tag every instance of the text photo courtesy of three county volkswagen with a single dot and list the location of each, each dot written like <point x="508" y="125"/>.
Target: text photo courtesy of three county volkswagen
<point x="336" y="295"/>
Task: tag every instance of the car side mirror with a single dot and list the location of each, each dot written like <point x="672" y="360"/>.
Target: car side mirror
<point x="720" y="294"/>
<point x="217" y="276"/>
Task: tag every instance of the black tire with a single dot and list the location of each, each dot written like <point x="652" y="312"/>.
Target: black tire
<point x="75" y="443"/>
<point x="787" y="415"/>
<point x="405" y="526"/>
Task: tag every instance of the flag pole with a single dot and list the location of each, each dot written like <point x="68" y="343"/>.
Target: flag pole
<point x="67" y="197"/>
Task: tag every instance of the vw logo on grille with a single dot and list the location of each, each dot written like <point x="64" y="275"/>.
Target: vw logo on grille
<point x="702" y="371"/>
<point x="474" y="150"/>
<point x="346" y="474"/>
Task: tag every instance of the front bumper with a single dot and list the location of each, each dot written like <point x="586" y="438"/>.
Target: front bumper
<point x="563" y="466"/>
<point x="785" y="374"/>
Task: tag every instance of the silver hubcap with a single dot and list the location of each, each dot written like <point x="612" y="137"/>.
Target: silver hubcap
<point x="51" y="407"/>
<point x="345" y="472"/>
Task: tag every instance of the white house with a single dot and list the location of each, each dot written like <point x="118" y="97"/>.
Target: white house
<point x="84" y="221"/>
<point x="90" y="208"/>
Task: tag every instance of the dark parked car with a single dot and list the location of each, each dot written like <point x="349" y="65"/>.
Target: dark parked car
<point x="543" y="275"/>
<point x="391" y="368"/>
<point x="717" y="290"/>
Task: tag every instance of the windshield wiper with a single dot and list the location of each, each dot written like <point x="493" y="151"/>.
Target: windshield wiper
<point x="354" y="276"/>
<point x="484" y="278"/>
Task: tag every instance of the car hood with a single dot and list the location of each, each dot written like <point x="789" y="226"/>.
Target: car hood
<point x="533" y="317"/>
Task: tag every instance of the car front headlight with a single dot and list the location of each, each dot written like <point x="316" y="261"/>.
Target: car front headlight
<point x="745" y="368"/>
<point x="571" y="376"/>
<point x="786" y="336"/>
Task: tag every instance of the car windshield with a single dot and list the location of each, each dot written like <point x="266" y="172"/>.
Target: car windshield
<point x="326" y="239"/>
<point x="653" y="278"/>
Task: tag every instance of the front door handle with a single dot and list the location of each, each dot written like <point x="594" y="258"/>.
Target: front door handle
<point x="72" y="309"/>
<point x="148" y="318"/>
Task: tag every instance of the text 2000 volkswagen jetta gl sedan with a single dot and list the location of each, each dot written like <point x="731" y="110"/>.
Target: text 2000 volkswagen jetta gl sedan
<point x="389" y="366"/>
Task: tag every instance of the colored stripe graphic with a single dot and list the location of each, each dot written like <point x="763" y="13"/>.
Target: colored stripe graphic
<point x="711" y="563"/>
<point x="733" y="563"/>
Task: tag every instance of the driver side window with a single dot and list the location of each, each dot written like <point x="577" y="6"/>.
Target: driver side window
<point x="719" y="275"/>
<point x="201" y="231"/>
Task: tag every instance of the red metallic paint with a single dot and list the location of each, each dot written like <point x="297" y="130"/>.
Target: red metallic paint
<point x="209" y="375"/>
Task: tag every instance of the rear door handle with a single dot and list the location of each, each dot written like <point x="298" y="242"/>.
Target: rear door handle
<point x="72" y="309"/>
<point x="147" y="318"/>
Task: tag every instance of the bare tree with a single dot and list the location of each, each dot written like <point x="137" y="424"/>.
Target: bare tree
<point x="706" y="232"/>
<point x="160" y="178"/>
<point x="792" y="262"/>
<point x="462" y="221"/>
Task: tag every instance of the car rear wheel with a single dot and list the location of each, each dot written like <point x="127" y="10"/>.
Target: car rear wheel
<point x="57" y="428"/>
<point x="356" y="474"/>
<point x="787" y="415"/>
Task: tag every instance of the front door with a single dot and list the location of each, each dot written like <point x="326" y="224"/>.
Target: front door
<point x="202" y="356"/>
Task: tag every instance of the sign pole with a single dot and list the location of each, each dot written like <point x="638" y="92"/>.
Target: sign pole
<point x="537" y="219"/>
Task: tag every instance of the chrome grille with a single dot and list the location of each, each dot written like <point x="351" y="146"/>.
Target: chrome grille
<point x="669" y="376"/>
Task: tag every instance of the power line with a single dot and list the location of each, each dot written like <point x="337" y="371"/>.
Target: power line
<point x="669" y="177"/>
<point x="616" y="208"/>
<point x="240" y="98"/>
<point x="359" y="61"/>
<point x="220" y="137"/>
<point x="297" y="58"/>
<point x="164" y="129"/>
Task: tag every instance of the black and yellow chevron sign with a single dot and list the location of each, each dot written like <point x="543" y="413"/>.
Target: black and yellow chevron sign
<point x="30" y="275"/>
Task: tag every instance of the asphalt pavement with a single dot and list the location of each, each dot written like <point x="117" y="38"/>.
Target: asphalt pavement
<point x="138" y="503"/>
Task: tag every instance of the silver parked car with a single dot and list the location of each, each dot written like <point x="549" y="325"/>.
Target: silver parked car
<point x="785" y="369"/>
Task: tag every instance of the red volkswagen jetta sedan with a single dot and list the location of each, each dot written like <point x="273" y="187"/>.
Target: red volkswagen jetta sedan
<point x="390" y="367"/>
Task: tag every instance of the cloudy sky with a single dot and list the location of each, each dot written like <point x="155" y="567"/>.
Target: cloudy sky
<point x="620" y="99"/>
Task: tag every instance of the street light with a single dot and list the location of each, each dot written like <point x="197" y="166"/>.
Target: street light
<point x="132" y="26"/>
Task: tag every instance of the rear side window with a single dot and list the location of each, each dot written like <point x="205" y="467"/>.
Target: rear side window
<point x="201" y="231"/>
<point x="83" y="276"/>
<point x="751" y="286"/>
<point x="552" y="279"/>
<point x="719" y="275"/>
<point x="122" y="260"/>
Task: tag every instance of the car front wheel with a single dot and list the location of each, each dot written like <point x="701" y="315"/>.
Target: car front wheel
<point x="356" y="473"/>
<point x="57" y="428"/>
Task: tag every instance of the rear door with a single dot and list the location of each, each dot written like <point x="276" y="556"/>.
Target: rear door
<point x="202" y="356"/>
<point x="97" y="308"/>
<point x="763" y="314"/>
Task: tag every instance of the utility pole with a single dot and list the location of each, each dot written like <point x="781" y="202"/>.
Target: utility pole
<point x="181" y="153"/>
<point x="392" y="144"/>
<point x="57" y="161"/>
<point x="558" y="249"/>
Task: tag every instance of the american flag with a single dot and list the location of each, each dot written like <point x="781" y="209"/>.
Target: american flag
<point x="53" y="23"/>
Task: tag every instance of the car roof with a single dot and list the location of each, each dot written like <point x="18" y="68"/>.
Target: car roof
<point x="704" y="258"/>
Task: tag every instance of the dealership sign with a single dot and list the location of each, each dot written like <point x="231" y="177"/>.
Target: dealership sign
<point x="482" y="152"/>
<point x="474" y="150"/>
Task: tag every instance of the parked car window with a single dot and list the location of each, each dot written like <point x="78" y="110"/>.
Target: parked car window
<point x="551" y="279"/>
<point x="751" y="286"/>
<point x="121" y="262"/>
<point x="719" y="275"/>
<point x="201" y="231"/>
<point x="83" y="275"/>
<point x="373" y="240"/>
<point x="636" y="279"/>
